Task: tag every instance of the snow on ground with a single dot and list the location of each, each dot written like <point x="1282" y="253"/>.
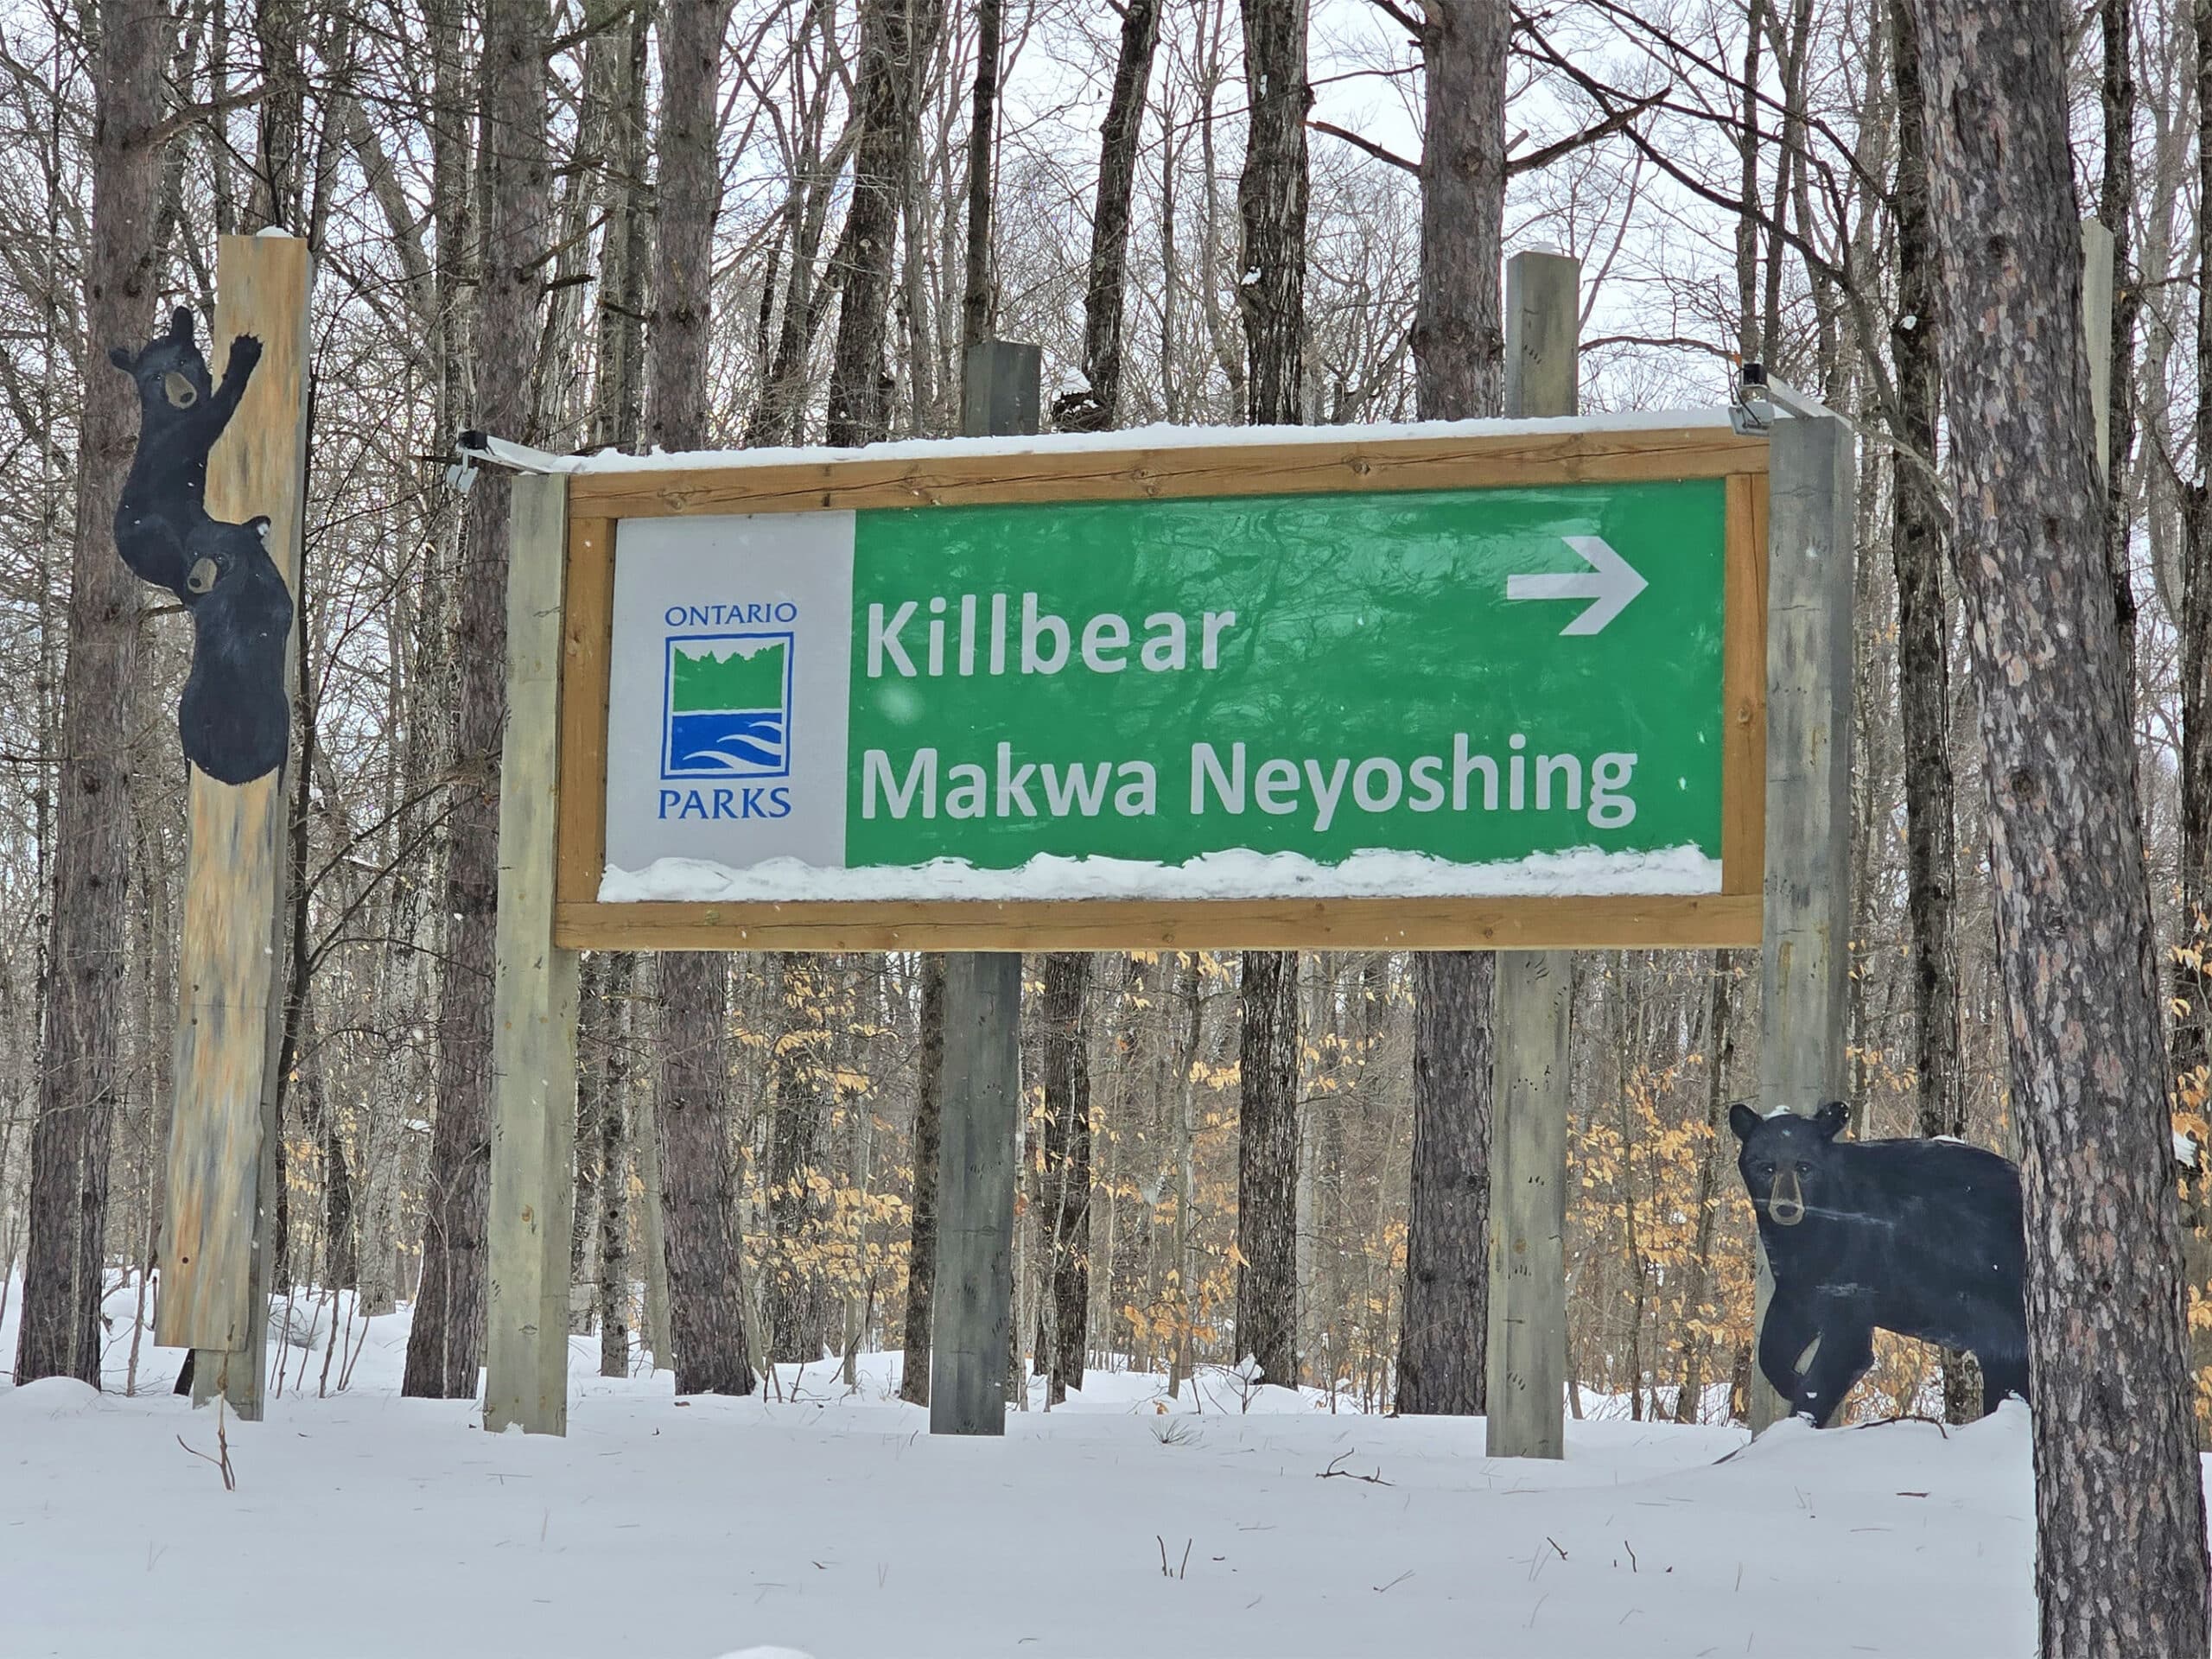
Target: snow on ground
<point x="832" y="1523"/>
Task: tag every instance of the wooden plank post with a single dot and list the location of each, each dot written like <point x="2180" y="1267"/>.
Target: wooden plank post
<point x="972" y="1313"/>
<point x="1526" y="1380"/>
<point x="533" y="1002"/>
<point x="1805" y="956"/>
<point x="216" y="1217"/>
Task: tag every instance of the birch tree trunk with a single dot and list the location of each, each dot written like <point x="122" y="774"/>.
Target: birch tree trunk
<point x="79" y="1091"/>
<point x="448" y="1334"/>
<point x="2119" y="1504"/>
<point x="1459" y="358"/>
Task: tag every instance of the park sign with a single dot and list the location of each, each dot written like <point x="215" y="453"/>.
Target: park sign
<point x="1477" y="684"/>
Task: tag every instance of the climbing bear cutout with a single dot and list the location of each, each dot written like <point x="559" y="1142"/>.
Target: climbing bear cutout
<point x="1921" y="1237"/>
<point x="235" y="717"/>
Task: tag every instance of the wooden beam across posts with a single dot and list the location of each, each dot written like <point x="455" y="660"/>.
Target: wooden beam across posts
<point x="533" y="1002"/>
<point x="214" y="1250"/>
<point x="1805" y="957"/>
<point x="1526" y="1385"/>
<point x="972" y="1312"/>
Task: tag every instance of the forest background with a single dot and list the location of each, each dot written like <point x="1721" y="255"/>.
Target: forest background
<point x="794" y="246"/>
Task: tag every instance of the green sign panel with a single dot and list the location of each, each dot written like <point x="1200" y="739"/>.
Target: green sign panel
<point x="1454" y="691"/>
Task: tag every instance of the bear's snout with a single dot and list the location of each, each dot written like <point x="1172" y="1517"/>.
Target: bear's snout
<point x="1785" y="1202"/>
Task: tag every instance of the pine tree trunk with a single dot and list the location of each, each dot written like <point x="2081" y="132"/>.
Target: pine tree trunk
<point x="79" y="1091"/>
<point x="1267" y="1166"/>
<point x="2121" y="1563"/>
<point x="929" y="1123"/>
<point x="699" y="1222"/>
<point x="447" y="1335"/>
<point x="1460" y="357"/>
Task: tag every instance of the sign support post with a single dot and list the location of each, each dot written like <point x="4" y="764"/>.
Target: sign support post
<point x="1525" y="1390"/>
<point x="1805" y="947"/>
<point x="215" y="1253"/>
<point x="533" y="1000"/>
<point x="972" y="1316"/>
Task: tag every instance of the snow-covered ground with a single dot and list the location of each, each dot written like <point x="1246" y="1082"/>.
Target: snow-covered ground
<point x="831" y="1523"/>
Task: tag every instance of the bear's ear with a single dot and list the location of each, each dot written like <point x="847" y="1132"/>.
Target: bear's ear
<point x="124" y="360"/>
<point x="180" y="324"/>
<point x="1742" y="1120"/>
<point x="1831" y="1118"/>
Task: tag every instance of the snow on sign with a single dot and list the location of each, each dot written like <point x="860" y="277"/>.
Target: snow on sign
<point x="1481" y="683"/>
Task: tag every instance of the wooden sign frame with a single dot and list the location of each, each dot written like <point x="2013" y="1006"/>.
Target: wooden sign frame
<point x="598" y="500"/>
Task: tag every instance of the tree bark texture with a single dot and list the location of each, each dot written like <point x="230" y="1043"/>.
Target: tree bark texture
<point x="699" y="1226"/>
<point x="79" y="1091"/>
<point x="2192" y="965"/>
<point x="982" y="118"/>
<point x="1267" y="1166"/>
<point x="896" y="38"/>
<point x="1271" y="195"/>
<point x="706" y="1292"/>
<point x="1458" y="337"/>
<point x="2120" y="1564"/>
<point x="1916" y="554"/>
<point x="1098" y="406"/>
<point x="1459" y="362"/>
<point x="790" y="1306"/>
<point x="1066" y="1224"/>
<point x="929" y="1126"/>
<point x="611" y="1155"/>
<point x="1444" y="1343"/>
<point x="2115" y="199"/>
<point x="444" y="1345"/>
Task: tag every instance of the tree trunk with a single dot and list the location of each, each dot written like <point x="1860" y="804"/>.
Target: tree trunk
<point x="2115" y="211"/>
<point x="1719" y="1057"/>
<point x="2119" y="1504"/>
<point x="1460" y="357"/>
<point x="1065" y="1307"/>
<point x="1271" y="195"/>
<point x="2192" y="962"/>
<point x="79" y="1091"/>
<point x="896" y="39"/>
<point x="1267" y="1166"/>
<point x="1923" y="656"/>
<point x="789" y="1306"/>
<point x="613" y="1060"/>
<point x="1097" y="407"/>
<point x="699" y="1218"/>
<point x="447" y="1335"/>
<point x="705" y="1294"/>
<point x="929" y="1123"/>
<point x="976" y="297"/>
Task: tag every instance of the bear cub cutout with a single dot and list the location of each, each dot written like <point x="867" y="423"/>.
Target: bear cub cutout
<point x="234" y="717"/>
<point x="1921" y="1237"/>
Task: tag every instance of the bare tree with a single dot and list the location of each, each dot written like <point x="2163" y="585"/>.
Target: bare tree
<point x="447" y="1337"/>
<point x="2120" y="1560"/>
<point x="1460" y="358"/>
<point x="78" y="1087"/>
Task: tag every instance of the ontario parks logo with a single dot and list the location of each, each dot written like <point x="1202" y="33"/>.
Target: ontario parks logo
<point x="728" y="706"/>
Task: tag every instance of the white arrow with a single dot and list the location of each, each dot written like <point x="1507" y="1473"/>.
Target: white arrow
<point x="1611" y="583"/>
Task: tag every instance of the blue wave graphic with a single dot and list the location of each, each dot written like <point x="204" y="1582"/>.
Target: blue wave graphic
<point x="727" y="745"/>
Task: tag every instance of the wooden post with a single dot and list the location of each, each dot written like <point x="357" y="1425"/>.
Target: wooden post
<point x="974" y="1307"/>
<point x="1805" y="957"/>
<point x="1526" y="1382"/>
<point x="533" y="1002"/>
<point x="972" y="1313"/>
<point x="215" y="1264"/>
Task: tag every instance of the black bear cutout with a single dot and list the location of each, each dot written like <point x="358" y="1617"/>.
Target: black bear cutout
<point x="1921" y="1237"/>
<point x="234" y="719"/>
